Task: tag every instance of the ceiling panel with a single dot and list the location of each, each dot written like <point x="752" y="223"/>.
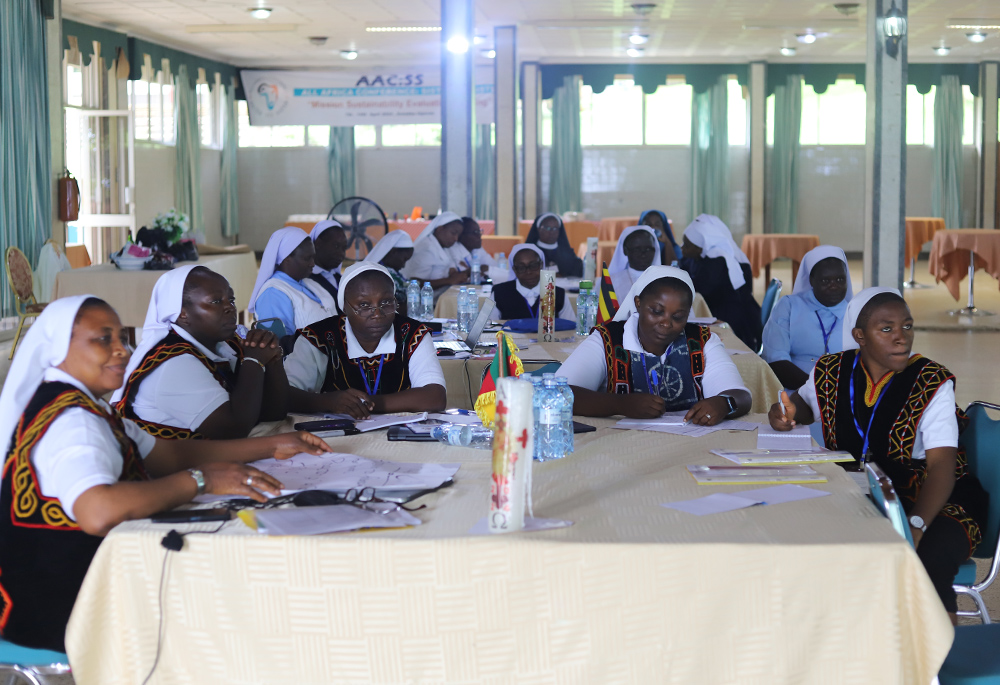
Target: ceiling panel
<point x="549" y="30"/>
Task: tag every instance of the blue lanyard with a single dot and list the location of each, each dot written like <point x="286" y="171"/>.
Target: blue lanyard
<point x="378" y="377"/>
<point x="864" y="435"/>
<point x="826" y="333"/>
<point x="653" y="377"/>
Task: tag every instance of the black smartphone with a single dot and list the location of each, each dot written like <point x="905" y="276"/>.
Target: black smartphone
<point x="192" y="515"/>
<point x="325" y="425"/>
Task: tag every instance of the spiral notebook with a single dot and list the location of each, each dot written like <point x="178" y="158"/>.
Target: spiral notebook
<point x="798" y="438"/>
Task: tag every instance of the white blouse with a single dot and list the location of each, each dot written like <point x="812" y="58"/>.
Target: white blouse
<point x="181" y="392"/>
<point x="587" y="367"/>
<point x="937" y="427"/>
<point x="79" y="450"/>
<point x="306" y="365"/>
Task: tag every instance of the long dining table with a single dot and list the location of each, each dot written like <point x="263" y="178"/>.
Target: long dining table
<point x="815" y="591"/>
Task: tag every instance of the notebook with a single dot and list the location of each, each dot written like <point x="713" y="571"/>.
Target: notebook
<point x="798" y="438"/>
<point x="475" y="330"/>
<point x="746" y="475"/>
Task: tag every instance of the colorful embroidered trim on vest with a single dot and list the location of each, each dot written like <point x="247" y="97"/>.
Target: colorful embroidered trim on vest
<point x="618" y="361"/>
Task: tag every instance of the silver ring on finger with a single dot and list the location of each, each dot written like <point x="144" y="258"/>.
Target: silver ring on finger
<point x="708" y="416"/>
<point x="249" y="480"/>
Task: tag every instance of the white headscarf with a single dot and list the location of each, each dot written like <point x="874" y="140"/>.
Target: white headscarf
<point x="390" y="241"/>
<point x="281" y="244"/>
<point x="165" y="306"/>
<point x="814" y="257"/>
<point x="619" y="262"/>
<point x="854" y="308"/>
<point x="715" y="240"/>
<point x="321" y="226"/>
<point x="440" y="220"/>
<point x="44" y="346"/>
<point x="654" y="273"/>
<point x="355" y="270"/>
<point x="517" y="248"/>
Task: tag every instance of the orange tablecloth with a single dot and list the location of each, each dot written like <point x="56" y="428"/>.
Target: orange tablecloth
<point x="950" y="255"/>
<point x="494" y="244"/>
<point x="415" y="227"/>
<point x="920" y="230"/>
<point x="762" y="249"/>
<point x="612" y="227"/>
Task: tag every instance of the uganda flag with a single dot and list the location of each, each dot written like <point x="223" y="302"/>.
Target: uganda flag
<point x="607" y="305"/>
<point x="505" y="363"/>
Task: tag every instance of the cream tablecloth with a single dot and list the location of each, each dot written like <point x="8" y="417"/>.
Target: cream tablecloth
<point x="818" y="591"/>
<point x="129" y="291"/>
<point x="463" y="377"/>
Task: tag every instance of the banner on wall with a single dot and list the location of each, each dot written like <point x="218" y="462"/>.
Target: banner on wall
<point x="348" y="98"/>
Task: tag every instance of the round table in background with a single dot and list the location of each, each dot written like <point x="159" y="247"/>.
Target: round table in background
<point x="920" y="230"/>
<point x="763" y="248"/>
<point x="957" y="253"/>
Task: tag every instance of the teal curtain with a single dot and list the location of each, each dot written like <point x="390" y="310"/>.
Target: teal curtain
<point x="710" y="151"/>
<point x="485" y="173"/>
<point x="783" y="186"/>
<point x="341" y="163"/>
<point x="946" y="191"/>
<point x="566" y="154"/>
<point x="229" y="181"/>
<point x="187" y="174"/>
<point x="25" y="152"/>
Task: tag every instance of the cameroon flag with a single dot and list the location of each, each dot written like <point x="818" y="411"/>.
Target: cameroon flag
<point x="607" y="305"/>
<point x="505" y="363"/>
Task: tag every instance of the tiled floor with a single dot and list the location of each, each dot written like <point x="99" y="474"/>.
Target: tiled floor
<point x="970" y="348"/>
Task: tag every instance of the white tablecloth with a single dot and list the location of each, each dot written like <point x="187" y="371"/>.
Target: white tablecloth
<point x="819" y="591"/>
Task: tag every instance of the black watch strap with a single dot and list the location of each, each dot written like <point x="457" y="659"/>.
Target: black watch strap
<point x="731" y="401"/>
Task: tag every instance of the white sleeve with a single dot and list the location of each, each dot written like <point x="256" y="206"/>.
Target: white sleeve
<point x="567" y="310"/>
<point x="586" y="366"/>
<point x="938" y="425"/>
<point x="306" y="366"/>
<point x="486" y="258"/>
<point x="78" y="452"/>
<point x="425" y="369"/>
<point x="721" y="373"/>
<point x="425" y="266"/>
<point x="181" y="392"/>
<point x="777" y="335"/>
<point x="143" y="440"/>
<point x="808" y="394"/>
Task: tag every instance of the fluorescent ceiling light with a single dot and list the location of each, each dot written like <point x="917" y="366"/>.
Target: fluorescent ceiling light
<point x="489" y="54"/>
<point x="787" y="51"/>
<point x="807" y="38"/>
<point x="457" y="44"/>
<point x="349" y="54"/>
<point x="941" y="50"/>
<point x="638" y="39"/>
<point x="259" y="12"/>
<point x="634" y="52"/>
<point x="976" y="36"/>
<point x="980" y="24"/>
<point x="400" y="29"/>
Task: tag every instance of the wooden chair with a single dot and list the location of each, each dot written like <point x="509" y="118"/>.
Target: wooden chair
<point x="78" y="256"/>
<point x="19" y="277"/>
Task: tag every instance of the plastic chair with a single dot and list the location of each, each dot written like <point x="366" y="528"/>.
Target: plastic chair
<point x="770" y="299"/>
<point x="980" y="439"/>
<point x="22" y="283"/>
<point x="974" y="658"/>
<point x="884" y="495"/>
<point x="31" y="665"/>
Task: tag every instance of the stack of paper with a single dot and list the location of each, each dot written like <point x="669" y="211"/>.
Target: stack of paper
<point x="673" y="423"/>
<point x="747" y="475"/>
<point x="342" y="472"/>
<point x="798" y="438"/>
<point x="719" y="502"/>
<point x="335" y="518"/>
<point x="767" y="457"/>
<point x="385" y="420"/>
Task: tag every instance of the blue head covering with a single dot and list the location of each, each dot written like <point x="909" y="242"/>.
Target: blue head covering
<point x="667" y="231"/>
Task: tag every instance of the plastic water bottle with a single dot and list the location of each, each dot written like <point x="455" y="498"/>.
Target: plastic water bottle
<point x="583" y="307"/>
<point x="566" y="393"/>
<point x="502" y="261"/>
<point x="459" y="435"/>
<point x="550" y="422"/>
<point x="463" y="309"/>
<point x="426" y="302"/>
<point x="537" y="390"/>
<point x="413" y="309"/>
<point x="476" y="277"/>
<point x="673" y="264"/>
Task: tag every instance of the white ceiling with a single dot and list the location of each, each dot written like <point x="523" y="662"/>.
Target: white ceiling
<point x="548" y="30"/>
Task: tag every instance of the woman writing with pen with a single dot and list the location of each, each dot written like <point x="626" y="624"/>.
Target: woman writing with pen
<point x="649" y="360"/>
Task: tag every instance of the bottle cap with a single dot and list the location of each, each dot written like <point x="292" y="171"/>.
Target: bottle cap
<point x="586" y="284"/>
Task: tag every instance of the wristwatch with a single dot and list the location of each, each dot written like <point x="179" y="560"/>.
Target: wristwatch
<point x="731" y="401"/>
<point x="199" y="478"/>
<point x="918" y="523"/>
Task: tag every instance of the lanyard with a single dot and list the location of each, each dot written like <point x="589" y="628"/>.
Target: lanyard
<point x="865" y="434"/>
<point x="653" y="377"/>
<point x="378" y="378"/>
<point x="826" y="333"/>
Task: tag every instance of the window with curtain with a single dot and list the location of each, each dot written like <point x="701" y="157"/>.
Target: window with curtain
<point x="920" y="116"/>
<point x="152" y="103"/>
<point x="834" y="117"/>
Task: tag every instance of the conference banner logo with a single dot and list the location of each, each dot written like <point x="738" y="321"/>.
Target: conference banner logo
<point x="348" y="98"/>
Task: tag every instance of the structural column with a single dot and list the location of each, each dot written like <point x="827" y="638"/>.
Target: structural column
<point x="456" y="108"/>
<point x="531" y="117"/>
<point x="758" y="143"/>
<point x="885" y="151"/>
<point x="57" y="126"/>
<point x="989" y="83"/>
<point x="505" y="103"/>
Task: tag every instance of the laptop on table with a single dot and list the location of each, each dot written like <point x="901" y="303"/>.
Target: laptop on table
<point x="450" y="347"/>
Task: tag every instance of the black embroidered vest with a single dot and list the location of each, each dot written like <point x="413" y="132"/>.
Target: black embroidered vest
<point x="893" y="431"/>
<point x="44" y="555"/>
<point x="512" y="304"/>
<point x="171" y="346"/>
<point x="330" y="337"/>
